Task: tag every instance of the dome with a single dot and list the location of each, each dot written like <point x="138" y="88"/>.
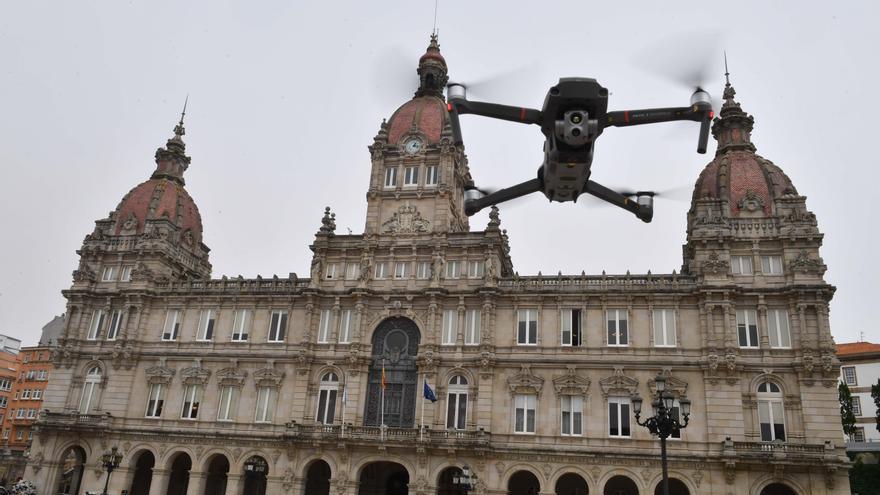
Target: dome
<point x="163" y="196"/>
<point x="426" y="113"/>
<point x="747" y="181"/>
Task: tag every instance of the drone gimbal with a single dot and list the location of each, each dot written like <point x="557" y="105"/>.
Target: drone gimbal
<point x="574" y="115"/>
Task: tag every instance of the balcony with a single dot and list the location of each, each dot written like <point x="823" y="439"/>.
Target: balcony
<point x="73" y="420"/>
<point x="398" y="436"/>
<point x="764" y="451"/>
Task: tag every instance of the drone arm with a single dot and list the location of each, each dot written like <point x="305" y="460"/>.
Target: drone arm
<point x="699" y="112"/>
<point x="472" y="206"/>
<point x="644" y="213"/>
<point x="496" y="111"/>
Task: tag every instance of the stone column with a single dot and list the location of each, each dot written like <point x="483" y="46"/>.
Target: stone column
<point x="159" y="485"/>
<point x="273" y="485"/>
<point x="196" y="483"/>
<point x="234" y="484"/>
<point x="121" y="480"/>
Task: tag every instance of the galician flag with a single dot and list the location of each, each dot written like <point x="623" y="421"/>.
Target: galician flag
<point x="383" y="375"/>
<point x="429" y="394"/>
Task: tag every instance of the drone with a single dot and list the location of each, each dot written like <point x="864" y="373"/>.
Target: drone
<point x="574" y="114"/>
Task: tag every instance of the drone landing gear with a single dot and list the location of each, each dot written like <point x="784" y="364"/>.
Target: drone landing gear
<point x="642" y="207"/>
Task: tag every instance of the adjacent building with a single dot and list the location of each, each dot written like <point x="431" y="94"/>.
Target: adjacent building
<point x="860" y="369"/>
<point x="314" y="384"/>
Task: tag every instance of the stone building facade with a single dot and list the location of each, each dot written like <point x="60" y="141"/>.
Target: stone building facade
<point x="313" y="384"/>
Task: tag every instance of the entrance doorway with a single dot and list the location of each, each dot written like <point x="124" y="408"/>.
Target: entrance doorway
<point x="143" y="474"/>
<point x="384" y="478"/>
<point x="73" y="462"/>
<point x="395" y="345"/>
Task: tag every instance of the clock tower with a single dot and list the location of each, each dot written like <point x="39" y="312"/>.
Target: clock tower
<point x="418" y="173"/>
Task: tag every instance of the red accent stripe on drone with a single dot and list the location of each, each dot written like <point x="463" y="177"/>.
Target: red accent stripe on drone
<point x="626" y="116"/>
<point x="522" y="114"/>
<point x="449" y="107"/>
<point x="711" y="114"/>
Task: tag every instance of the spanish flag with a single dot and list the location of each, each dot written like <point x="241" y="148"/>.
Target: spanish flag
<point x="383" y="375"/>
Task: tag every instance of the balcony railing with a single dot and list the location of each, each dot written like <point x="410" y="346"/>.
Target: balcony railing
<point x="71" y="419"/>
<point x="778" y="449"/>
<point x="296" y="431"/>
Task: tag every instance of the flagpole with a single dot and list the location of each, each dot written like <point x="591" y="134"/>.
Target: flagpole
<point x="382" y="408"/>
<point x="344" y="401"/>
<point x="422" y="421"/>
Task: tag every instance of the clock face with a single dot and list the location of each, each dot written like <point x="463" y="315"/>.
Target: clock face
<point x="412" y="146"/>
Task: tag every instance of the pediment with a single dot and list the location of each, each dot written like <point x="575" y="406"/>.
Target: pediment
<point x="525" y="382"/>
<point x="268" y="377"/>
<point x="231" y="377"/>
<point x="673" y="384"/>
<point x="159" y="374"/>
<point x="619" y="384"/>
<point x="571" y="384"/>
<point x="195" y="375"/>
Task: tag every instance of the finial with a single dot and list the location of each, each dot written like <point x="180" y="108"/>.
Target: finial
<point x="726" y="72"/>
<point x="179" y="130"/>
<point x="434" y="31"/>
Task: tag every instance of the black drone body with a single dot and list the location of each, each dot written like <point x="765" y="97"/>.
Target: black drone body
<point x="574" y="114"/>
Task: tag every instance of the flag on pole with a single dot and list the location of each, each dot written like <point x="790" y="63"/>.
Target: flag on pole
<point x="429" y="394"/>
<point x="383" y="375"/>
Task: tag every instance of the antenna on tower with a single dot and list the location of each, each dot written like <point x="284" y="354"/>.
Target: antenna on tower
<point x="726" y="72"/>
<point x="434" y="31"/>
<point x="183" y="113"/>
<point x="861" y="336"/>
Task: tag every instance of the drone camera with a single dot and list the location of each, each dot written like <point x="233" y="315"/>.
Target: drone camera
<point x="575" y="128"/>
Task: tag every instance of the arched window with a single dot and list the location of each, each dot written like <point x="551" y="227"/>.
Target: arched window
<point x="771" y="414"/>
<point x="456" y="403"/>
<point x="89" y="399"/>
<point x="327" y="398"/>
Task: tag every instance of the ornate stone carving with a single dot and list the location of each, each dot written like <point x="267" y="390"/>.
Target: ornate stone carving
<point x="84" y="274"/>
<point x="159" y="374"/>
<point x="268" y="377"/>
<point x="804" y="264"/>
<point x="231" y="377"/>
<point x="751" y="202"/>
<point x="571" y="383"/>
<point x="525" y="382"/>
<point x="407" y="220"/>
<point x="195" y="375"/>
<point x="142" y="273"/>
<point x="715" y="265"/>
<point x="618" y="384"/>
<point x="675" y="385"/>
<point x="328" y="222"/>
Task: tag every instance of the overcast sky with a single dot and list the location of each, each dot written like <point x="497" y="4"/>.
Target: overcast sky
<point x="286" y="96"/>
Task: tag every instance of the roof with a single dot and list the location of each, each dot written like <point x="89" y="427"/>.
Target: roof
<point x="857" y="348"/>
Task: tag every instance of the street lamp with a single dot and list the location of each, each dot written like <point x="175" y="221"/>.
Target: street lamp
<point x="110" y="460"/>
<point x="467" y="481"/>
<point x="662" y="423"/>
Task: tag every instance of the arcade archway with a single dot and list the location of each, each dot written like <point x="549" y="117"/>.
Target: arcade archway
<point x="445" y="484"/>
<point x="318" y="478"/>
<point x="215" y="481"/>
<point x="571" y="484"/>
<point x="621" y="485"/>
<point x="676" y="487"/>
<point x="384" y="478"/>
<point x="73" y="462"/>
<point x="256" y="471"/>
<point x="143" y="474"/>
<point x="523" y="483"/>
<point x="178" y="480"/>
<point x="778" y="489"/>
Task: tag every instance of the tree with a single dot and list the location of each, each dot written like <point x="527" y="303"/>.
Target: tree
<point x="875" y="393"/>
<point x="847" y="418"/>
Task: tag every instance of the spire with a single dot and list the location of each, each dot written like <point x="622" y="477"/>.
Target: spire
<point x="171" y="161"/>
<point x="733" y="128"/>
<point x="432" y="71"/>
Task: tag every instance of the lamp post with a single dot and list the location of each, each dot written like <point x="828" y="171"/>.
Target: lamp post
<point x="110" y="460"/>
<point x="662" y="423"/>
<point x="467" y="481"/>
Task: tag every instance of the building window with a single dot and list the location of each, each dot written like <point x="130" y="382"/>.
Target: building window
<point x="571" y="327"/>
<point x="38" y="394"/>
<point x="19" y="435"/>
<point x="618" y="417"/>
<point x="42" y="375"/>
<point x="747" y="327"/>
<point x="5" y="434"/>
<point x="330" y="272"/>
<point x="327" y="398"/>
<point x="241" y="325"/>
<point x="26" y="394"/>
<point x="857" y="406"/>
<point x="453" y="269"/>
<point x="206" y="324"/>
<point x="20" y="413"/>
<point x="89" y="399"/>
<point x="352" y="270"/>
<point x="3" y="402"/>
<point x="431" y="175"/>
<point x="572" y="415"/>
<point x="423" y="270"/>
<point x="5" y="384"/>
<point x="324" y="326"/>
<point x="32" y="413"/>
<point x="527" y="327"/>
<point x="228" y="403"/>
<point x="155" y="400"/>
<point x="381" y="271"/>
<point x="266" y="399"/>
<point x="172" y="325"/>
<point x="115" y="323"/>
<point x="475" y="269"/>
<point x="849" y="376"/>
<point x="96" y="324"/>
<point x="192" y="397"/>
<point x="777" y="323"/>
<point x="345" y="326"/>
<point x="277" y="326"/>
<point x="110" y="273"/>
<point x="456" y="403"/>
<point x="450" y="326"/>
<point x="741" y="265"/>
<point x="771" y="265"/>
<point x="664" y="328"/>
<point x="770" y="412"/>
<point x="126" y="273"/>
<point x="401" y="269"/>
<point x="525" y="406"/>
<point x="618" y="333"/>
<point x="390" y="177"/>
<point x="411" y="176"/>
<point x="858" y="434"/>
<point x="472" y="327"/>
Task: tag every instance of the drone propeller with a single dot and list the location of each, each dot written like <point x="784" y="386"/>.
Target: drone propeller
<point x="678" y="194"/>
<point x="393" y="78"/>
<point x="500" y="83"/>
